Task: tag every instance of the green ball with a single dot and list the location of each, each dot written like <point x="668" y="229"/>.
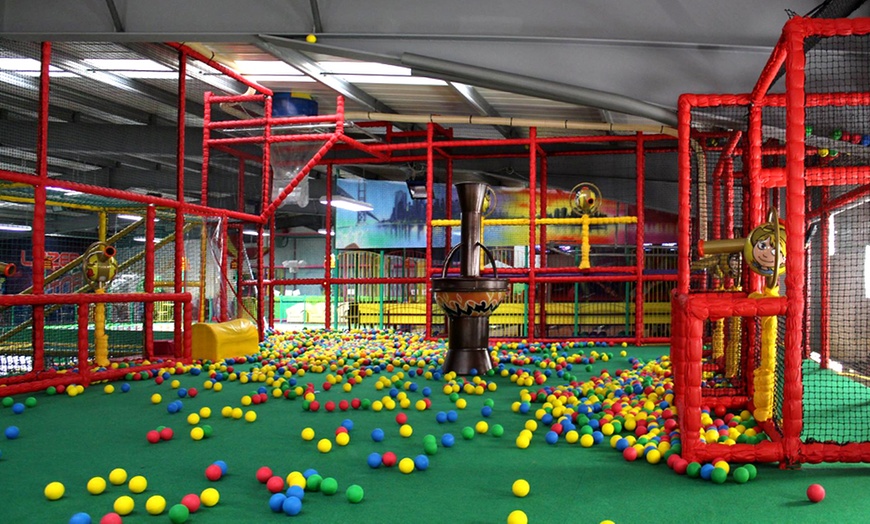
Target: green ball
<point x="588" y="368"/>
<point x="741" y="475"/>
<point x="752" y="471"/>
<point x="719" y="475"/>
<point x="312" y="483"/>
<point x="693" y="470"/>
<point x="30" y="402"/>
<point x="8" y="401"/>
<point x="207" y="430"/>
<point x="468" y="432"/>
<point x="355" y="493"/>
<point x="489" y="402"/>
<point x="366" y="403"/>
<point x="179" y="514"/>
<point x="430" y="448"/>
<point x="329" y="486"/>
<point x="51" y="390"/>
<point x="497" y="430"/>
<point x="454" y="397"/>
<point x="430" y="438"/>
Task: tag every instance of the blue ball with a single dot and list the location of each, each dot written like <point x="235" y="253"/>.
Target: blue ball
<point x="295" y="491"/>
<point x="525" y="407"/>
<point x="347" y="424"/>
<point x="394" y="392"/>
<point x="276" y="502"/>
<point x="551" y="437"/>
<point x="441" y="417"/>
<point x="597" y="437"/>
<point x="80" y="518"/>
<point x="308" y="472"/>
<point x="292" y="506"/>
<point x="261" y="390"/>
<point x="547" y="419"/>
<point x="374" y="460"/>
<point x="182" y="392"/>
<point x="12" y="432"/>
<point x="452" y="416"/>
<point x="125" y="387"/>
<point x="421" y="462"/>
<point x="18" y="408"/>
<point x="707" y="471"/>
<point x="377" y="434"/>
<point x="621" y="444"/>
<point x="427" y="391"/>
<point x="447" y="440"/>
<point x="486" y="411"/>
<point x="221" y="464"/>
<point x="195" y="371"/>
<point x="172" y="407"/>
<point x="412" y="387"/>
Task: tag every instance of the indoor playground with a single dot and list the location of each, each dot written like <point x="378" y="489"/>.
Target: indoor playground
<point x="452" y="346"/>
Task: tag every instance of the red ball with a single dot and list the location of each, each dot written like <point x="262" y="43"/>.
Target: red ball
<point x="166" y="433"/>
<point x="264" y="474"/>
<point x="60" y="389"/>
<point x="401" y="418"/>
<point x="343" y="405"/>
<point x="263" y="398"/>
<point x="153" y="436"/>
<point x="720" y="410"/>
<point x="213" y="472"/>
<point x="111" y="518"/>
<point x="327" y="386"/>
<point x="389" y="459"/>
<point x="556" y="428"/>
<point x="275" y="484"/>
<point x="191" y="501"/>
<point x="255" y="399"/>
<point x="340" y="429"/>
<point x="816" y="493"/>
<point x="329" y="406"/>
<point x="191" y="392"/>
<point x="355" y="403"/>
<point x="314" y="405"/>
<point x="158" y="380"/>
<point x="629" y="454"/>
<point x="680" y="466"/>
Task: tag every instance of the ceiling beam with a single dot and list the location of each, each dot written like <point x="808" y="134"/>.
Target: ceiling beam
<point x="315" y="17"/>
<point x="168" y="57"/>
<point x="473" y="97"/>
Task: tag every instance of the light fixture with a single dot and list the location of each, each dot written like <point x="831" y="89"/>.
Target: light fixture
<point x="254" y="232"/>
<point x="322" y="231"/>
<point x="417" y="189"/>
<point x="130" y="217"/>
<point x="132" y="68"/>
<point x="349" y="204"/>
<point x="142" y="239"/>
<point x="375" y="73"/>
<point x="15" y="227"/>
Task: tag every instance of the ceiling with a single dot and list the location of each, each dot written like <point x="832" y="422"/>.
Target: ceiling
<point x="619" y="62"/>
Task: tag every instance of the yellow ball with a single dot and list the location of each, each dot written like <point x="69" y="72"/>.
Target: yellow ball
<point x="406" y="465"/>
<point x="523" y="442"/>
<point x="461" y="403"/>
<point x="342" y="439"/>
<point x="572" y="436"/>
<point x="587" y="441"/>
<point x="193" y="419"/>
<point x="420" y="405"/>
<point x="124" y="505"/>
<point x="109" y="389"/>
<point x="311" y="39"/>
<point x="517" y="516"/>
<point x="197" y="433"/>
<point x="307" y="434"/>
<point x="250" y="416"/>
<point x="297" y="478"/>
<point x="205" y="412"/>
<point x="653" y="456"/>
<point x="209" y="497"/>
<point x="96" y="485"/>
<point x="227" y="411"/>
<point x="156" y="398"/>
<point x="137" y="484"/>
<point x="324" y="445"/>
<point x="406" y="430"/>
<point x="531" y="425"/>
<point x="54" y="490"/>
<point x="155" y="505"/>
<point x="481" y="427"/>
<point x="175" y="384"/>
<point x="722" y="464"/>
<point x="520" y="487"/>
<point x="238" y="413"/>
<point x="218" y="386"/>
<point x="118" y="476"/>
<point x="72" y="391"/>
<point x="246" y="400"/>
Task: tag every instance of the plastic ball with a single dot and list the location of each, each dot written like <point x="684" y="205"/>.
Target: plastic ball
<point x="447" y="440"/>
<point x="312" y="483"/>
<point x="311" y="38"/>
<point x="497" y="430"/>
<point x="209" y="497"/>
<point x="179" y="513"/>
<point x="111" y="518"/>
<point x="753" y="472"/>
<point x="406" y="430"/>
<point x="291" y="506"/>
<point x="197" y="433"/>
<point x="156" y="398"/>
<point x="629" y="453"/>
<point x="354" y="493"/>
<point x="324" y="445"/>
<point x="125" y="388"/>
<point x="295" y="491"/>
<point x="96" y="485"/>
<point x="707" y="471"/>
<point x="275" y="484"/>
<point x="467" y="432"/>
<point x="54" y="490"/>
<point x="517" y="516"/>
<point x="166" y="433"/>
<point x="308" y="434"/>
<point x="191" y="501"/>
<point x="421" y="462"/>
<point x="377" y="434"/>
<point x="741" y="475"/>
<point x="155" y="505"/>
<point x="342" y="439"/>
<point x="137" y="484"/>
<point x="124" y="505"/>
<point x="520" y="488"/>
<point x="12" y="432"/>
<point x="329" y="486"/>
<point x="213" y="472"/>
<point x="406" y="465"/>
<point x="816" y="493"/>
<point x="250" y="416"/>
<point x="80" y="518"/>
<point x="718" y="475"/>
<point x="276" y="502"/>
<point x="264" y="474"/>
<point x="693" y="470"/>
<point x="118" y="476"/>
<point x="374" y="460"/>
<point x="654" y="456"/>
<point x="18" y="408"/>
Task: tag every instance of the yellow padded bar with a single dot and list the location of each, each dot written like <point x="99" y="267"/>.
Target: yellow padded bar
<point x="217" y="341"/>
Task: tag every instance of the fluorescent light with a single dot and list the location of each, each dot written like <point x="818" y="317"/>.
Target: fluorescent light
<point x="347" y="203"/>
<point x="322" y="231"/>
<point x="30" y="67"/>
<point x="142" y="239"/>
<point x="132" y="68"/>
<point x="266" y="67"/>
<point x="130" y="217"/>
<point x="376" y="73"/>
<point x="66" y="192"/>
<point x="393" y="80"/>
<point x="14" y="227"/>
<point x="254" y="232"/>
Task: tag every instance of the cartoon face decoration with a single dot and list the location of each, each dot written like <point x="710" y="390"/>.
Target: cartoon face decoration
<point x="761" y="250"/>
